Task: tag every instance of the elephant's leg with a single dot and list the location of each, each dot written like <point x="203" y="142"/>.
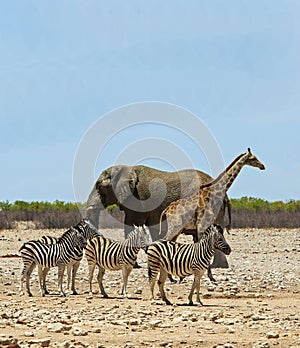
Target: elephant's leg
<point x="220" y="260"/>
<point x="93" y="207"/>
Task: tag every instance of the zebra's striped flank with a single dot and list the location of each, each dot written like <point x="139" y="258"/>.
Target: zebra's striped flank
<point x="113" y="255"/>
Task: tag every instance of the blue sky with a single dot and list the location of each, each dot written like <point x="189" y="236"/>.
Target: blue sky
<point x="64" y="64"/>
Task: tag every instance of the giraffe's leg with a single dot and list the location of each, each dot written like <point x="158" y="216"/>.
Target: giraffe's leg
<point x="126" y="270"/>
<point x="171" y="279"/>
<point x="161" y="281"/>
<point x="100" y="281"/>
<point x="74" y="272"/>
<point x="200" y="230"/>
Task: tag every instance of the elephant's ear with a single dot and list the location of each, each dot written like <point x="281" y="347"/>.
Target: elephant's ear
<point x="124" y="183"/>
<point x="104" y="179"/>
<point x="133" y="180"/>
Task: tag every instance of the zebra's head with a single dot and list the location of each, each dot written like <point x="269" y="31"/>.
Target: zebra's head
<point x="218" y="240"/>
<point x="87" y="229"/>
<point x="79" y="240"/>
<point x="139" y="237"/>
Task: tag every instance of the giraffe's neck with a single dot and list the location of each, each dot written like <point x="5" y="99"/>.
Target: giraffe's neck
<point x="223" y="182"/>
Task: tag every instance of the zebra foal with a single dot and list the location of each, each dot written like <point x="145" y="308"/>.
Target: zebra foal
<point x="50" y="255"/>
<point x="113" y="256"/>
<point x="88" y="231"/>
<point x="183" y="260"/>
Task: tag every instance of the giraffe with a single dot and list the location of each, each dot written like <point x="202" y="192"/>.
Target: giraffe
<point x="200" y="210"/>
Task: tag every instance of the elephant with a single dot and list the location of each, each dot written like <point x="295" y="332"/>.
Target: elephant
<point x="143" y="193"/>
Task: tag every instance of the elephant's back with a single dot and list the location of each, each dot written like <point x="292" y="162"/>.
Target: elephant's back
<point x="178" y="184"/>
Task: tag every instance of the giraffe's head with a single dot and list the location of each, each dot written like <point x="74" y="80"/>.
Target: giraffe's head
<point x="252" y="160"/>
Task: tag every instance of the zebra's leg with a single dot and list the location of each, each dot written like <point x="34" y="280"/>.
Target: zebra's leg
<point x="161" y="281"/>
<point x="27" y="274"/>
<point x="152" y="278"/>
<point x="41" y="280"/>
<point x="126" y="270"/>
<point x="23" y="276"/>
<point x="45" y="272"/>
<point x="198" y="288"/>
<point x="100" y="279"/>
<point x="61" y="270"/>
<point x="195" y="285"/>
<point x="69" y="271"/>
<point x="91" y="273"/>
<point x="172" y="280"/>
<point x="74" y="272"/>
<point x="21" y="292"/>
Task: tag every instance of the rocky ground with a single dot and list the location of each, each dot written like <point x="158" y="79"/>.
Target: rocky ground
<point x="255" y="302"/>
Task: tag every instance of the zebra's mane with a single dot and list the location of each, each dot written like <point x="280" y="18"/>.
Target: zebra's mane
<point x="67" y="234"/>
<point x="209" y="231"/>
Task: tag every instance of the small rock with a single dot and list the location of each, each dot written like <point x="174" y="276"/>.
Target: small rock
<point x="28" y="334"/>
<point x="55" y="328"/>
<point x="272" y="334"/>
<point x="178" y="320"/>
<point x="43" y="342"/>
<point x="77" y="331"/>
<point x="155" y="323"/>
<point x="261" y="345"/>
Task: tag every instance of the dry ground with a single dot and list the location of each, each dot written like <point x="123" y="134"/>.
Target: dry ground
<point x="254" y="304"/>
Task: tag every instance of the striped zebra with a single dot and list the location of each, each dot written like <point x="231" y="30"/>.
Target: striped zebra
<point x="50" y="255"/>
<point x="184" y="259"/>
<point x="88" y="231"/>
<point x="113" y="255"/>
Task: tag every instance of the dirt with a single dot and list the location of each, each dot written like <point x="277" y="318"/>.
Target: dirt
<point x="255" y="302"/>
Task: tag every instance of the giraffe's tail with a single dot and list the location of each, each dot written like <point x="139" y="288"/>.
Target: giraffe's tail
<point x="160" y="220"/>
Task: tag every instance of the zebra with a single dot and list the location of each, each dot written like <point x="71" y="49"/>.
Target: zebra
<point x="114" y="255"/>
<point x="184" y="259"/>
<point x="50" y="255"/>
<point x="88" y="231"/>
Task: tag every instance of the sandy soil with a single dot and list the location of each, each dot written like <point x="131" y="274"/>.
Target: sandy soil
<point x="255" y="302"/>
